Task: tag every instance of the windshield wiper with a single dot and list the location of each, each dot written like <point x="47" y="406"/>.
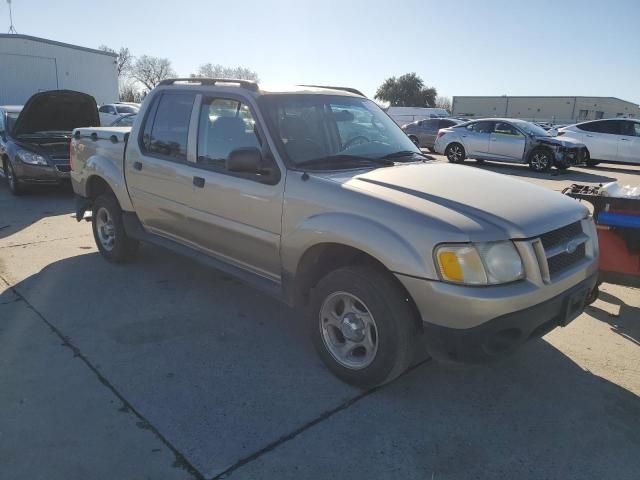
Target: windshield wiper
<point x="344" y="160"/>
<point x="403" y="153"/>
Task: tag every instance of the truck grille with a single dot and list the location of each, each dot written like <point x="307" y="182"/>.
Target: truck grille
<point x="563" y="247"/>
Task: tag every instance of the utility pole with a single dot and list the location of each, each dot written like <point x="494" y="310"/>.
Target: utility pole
<point x="11" y="28"/>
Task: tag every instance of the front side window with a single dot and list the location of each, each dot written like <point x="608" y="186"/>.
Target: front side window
<point x="123" y="109"/>
<point x="332" y="130"/>
<point x="503" y="128"/>
<point x="169" y="130"/>
<point x="636" y="128"/>
<point x="225" y="125"/>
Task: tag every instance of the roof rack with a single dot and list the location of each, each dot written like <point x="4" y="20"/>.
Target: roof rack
<point x="248" y="84"/>
<point x="345" y="89"/>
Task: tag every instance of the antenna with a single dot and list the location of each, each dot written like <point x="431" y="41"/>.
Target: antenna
<point x="11" y="29"/>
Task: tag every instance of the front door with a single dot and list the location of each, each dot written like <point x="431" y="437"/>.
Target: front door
<point x="236" y="217"/>
<point x="506" y="142"/>
<point x="476" y="138"/>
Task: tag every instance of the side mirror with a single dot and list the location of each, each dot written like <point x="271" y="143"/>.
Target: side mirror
<point x="245" y="160"/>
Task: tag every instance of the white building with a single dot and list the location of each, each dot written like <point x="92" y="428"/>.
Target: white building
<point x="29" y="65"/>
<point x="559" y="110"/>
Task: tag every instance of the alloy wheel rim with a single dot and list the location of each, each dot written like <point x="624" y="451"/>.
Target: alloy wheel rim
<point x="105" y="229"/>
<point x="540" y="161"/>
<point x="348" y="330"/>
<point x="455" y="154"/>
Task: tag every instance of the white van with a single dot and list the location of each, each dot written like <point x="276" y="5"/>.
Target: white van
<point x="404" y="115"/>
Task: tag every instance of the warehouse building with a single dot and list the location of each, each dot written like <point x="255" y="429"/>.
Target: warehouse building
<point x="558" y="110"/>
<point x="29" y="65"/>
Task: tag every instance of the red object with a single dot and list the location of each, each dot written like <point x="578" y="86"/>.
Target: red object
<point x="615" y="255"/>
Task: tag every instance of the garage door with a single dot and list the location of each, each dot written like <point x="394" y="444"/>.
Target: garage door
<point x="21" y="76"/>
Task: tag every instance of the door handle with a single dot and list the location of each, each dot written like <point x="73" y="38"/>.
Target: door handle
<point x="464" y="136"/>
<point x="137" y="166"/>
<point x="590" y="136"/>
<point x="198" y="182"/>
<point x="624" y="139"/>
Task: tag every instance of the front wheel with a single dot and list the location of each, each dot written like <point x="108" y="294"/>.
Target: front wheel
<point x="108" y="230"/>
<point x="15" y="187"/>
<point x="362" y="326"/>
<point x="540" y="160"/>
<point x="455" y="153"/>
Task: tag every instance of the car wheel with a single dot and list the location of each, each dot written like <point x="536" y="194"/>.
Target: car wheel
<point x="455" y="153"/>
<point x="415" y="140"/>
<point x="15" y="187"/>
<point x="540" y="160"/>
<point x="362" y="326"/>
<point x="589" y="162"/>
<point x="479" y="161"/>
<point x="108" y="230"/>
<point x="431" y="149"/>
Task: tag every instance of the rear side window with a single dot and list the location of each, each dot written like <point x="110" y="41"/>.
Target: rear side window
<point x="167" y="134"/>
<point x="225" y="125"/>
<point x="608" y="126"/>
<point x="481" y="127"/>
<point x="430" y="125"/>
<point x="447" y="123"/>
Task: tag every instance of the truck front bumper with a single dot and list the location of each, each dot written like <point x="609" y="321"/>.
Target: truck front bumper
<point x="471" y="325"/>
<point x="504" y="334"/>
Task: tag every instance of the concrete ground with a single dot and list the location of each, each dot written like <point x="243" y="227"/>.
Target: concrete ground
<point x="164" y="369"/>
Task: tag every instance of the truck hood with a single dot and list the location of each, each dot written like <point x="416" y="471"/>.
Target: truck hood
<point x="559" y="141"/>
<point x="56" y="110"/>
<point x="483" y="205"/>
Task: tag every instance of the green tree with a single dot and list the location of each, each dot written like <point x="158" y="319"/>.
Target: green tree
<point x="407" y="90"/>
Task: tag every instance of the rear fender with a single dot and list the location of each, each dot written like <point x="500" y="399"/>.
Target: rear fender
<point x="113" y="174"/>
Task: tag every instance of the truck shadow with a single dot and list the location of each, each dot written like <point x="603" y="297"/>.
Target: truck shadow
<point x="38" y="203"/>
<point x="197" y="353"/>
<point x="572" y="175"/>
<point x="624" y="319"/>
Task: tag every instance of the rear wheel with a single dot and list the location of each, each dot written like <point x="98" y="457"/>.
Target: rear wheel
<point x="362" y="326"/>
<point x="540" y="160"/>
<point x="455" y="153"/>
<point x="108" y="230"/>
<point x="431" y="149"/>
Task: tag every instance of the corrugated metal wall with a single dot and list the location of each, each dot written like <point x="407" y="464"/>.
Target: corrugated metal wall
<point x="28" y="66"/>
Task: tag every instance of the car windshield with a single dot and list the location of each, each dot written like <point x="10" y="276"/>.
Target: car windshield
<point x="126" y="109"/>
<point x="532" y="129"/>
<point x="335" y="131"/>
<point x="11" y="120"/>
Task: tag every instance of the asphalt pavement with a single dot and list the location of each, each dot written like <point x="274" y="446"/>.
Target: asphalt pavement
<point x="165" y="369"/>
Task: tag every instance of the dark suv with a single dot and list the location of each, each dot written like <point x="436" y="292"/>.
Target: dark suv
<point x="423" y="132"/>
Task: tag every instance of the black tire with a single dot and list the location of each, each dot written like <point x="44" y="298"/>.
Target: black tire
<point x="431" y="149"/>
<point x="479" y="161"/>
<point x="455" y="153"/>
<point x="415" y="140"/>
<point x="120" y="248"/>
<point x="15" y="187"/>
<point x="562" y="166"/>
<point x="589" y="162"/>
<point x="395" y="325"/>
<point x="541" y="160"/>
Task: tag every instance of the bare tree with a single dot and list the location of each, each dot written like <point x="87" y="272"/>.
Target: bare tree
<point x="444" y="102"/>
<point x="124" y="61"/>
<point x="130" y="91"/>
<point x="150" y="71"/>
<point x="210" y="70"/>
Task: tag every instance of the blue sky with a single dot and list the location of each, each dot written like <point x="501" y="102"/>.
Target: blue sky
<point x="461" y="47"/>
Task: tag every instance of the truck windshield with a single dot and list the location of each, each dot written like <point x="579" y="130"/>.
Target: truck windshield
<point x="312" y="128"/>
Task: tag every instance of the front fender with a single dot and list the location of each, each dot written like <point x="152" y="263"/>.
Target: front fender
<point x="374" y="238"/>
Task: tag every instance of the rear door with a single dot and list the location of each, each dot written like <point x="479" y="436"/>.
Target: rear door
<point x="475" y="137"/>
<point x="506" y="143"/>
<point x="601" y="139"/>
<point x="427" y="131"/>
<point x="629" y="142"/>
<point x="159" y="177"/>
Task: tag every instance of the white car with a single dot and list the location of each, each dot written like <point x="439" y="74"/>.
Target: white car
<point x="111" y="112"/>
<point x="613" y="140"/>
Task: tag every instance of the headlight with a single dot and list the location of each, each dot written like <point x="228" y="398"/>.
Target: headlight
<point x="479" y="263"/>
<point x="31" y="158"/>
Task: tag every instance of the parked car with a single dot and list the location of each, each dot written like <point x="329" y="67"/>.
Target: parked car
<point x="404" y="115"/>
<point x="614" y="140"/>
<point x="423" y="132"/>
<point x="509" y="140"/>
<point x="316" y="196"/>
<point x="111" y="112"/>
<point x="125" y="120"/>
<point x="8" y="116"/>
<point x="36" y="147"/>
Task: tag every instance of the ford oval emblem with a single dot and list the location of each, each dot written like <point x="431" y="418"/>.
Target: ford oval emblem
<point x="571" y="246"/>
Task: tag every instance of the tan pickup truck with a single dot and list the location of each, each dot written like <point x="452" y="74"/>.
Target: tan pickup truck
<point x="315" y="195"/>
